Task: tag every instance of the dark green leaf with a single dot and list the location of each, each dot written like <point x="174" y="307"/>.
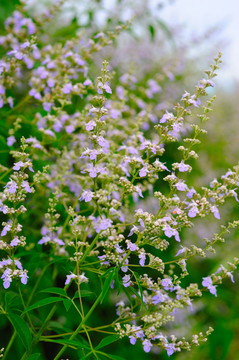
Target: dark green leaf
<point x="72" y="343"/>
<point x="108" y="340"/>
<point x="107" y="284"/>
<point x="84" y="293"/>
<point x="136" y="275"/>
<point x="67" y="303"/>
<point x="115" y="357"/>
<point x="43" y="302"/>
<point x="152" y="31"/>
<point x="34" y="357"/>
<point x="22" y="329"/>
<point x="55" y="290"/>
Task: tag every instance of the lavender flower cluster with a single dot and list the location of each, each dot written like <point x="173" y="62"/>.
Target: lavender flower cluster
<point x="103" y="148"/>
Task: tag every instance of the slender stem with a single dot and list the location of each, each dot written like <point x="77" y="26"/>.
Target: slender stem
<point x="24" y="307"/>
<point x="9" y="345"/>
<point x="79" y="327"/>
<point x="90" y="248"/>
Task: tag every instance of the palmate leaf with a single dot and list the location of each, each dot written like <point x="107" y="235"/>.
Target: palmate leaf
<point x="43" y="302"/>
<point x="22" y="329"/>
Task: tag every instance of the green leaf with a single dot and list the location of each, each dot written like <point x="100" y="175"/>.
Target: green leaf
<point x="136" y="275"/>
<point x="43" y="302"/>
<point x="107" y="284"/>
<point x="84" y="293"/>
<point x="167" y="31"/>
<point x="152" y="31"/>
<point x="115" y="357"/>
<point x="34" y="356"/>
<point x="108" y="340"/>
<point x="67" y="303"/>
<point x="72" y="343"/>
<point x="22" y="329"/>
<point x="55" y="290"/>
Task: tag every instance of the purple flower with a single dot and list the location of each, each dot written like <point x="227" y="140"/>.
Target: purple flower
<point x="169" y="232"/>
<point x="183" y="167"/>
<point x="142" y="258"/>
<point x="166" y="117"/>
<point x="35" y="94"/>
<point x="141" y="222"/>
<point x="7" y="278"/>
<point x="87" y="195"/>
<point x="132" y="340"/>
<point x="15" y="241"/>
<point x="181" y="186"/>
<point x="92" y="171"/>
<point x="51" y="82"/>
<point x="193" y="211"/>
<point x="221" y="268"/>
<point x="181" y="251"/>
<point x="102" y="224"/>
<point x="18" y="54"/>
<point x="103" y="262"/>
<point x="11" y="186"/>
<point x="157" y="298"/>
<point x="70" y="129"/>
<point x="2" y="90"/>
<point x="147" y="345"/>
<point x="103" y="142"/>
<point x="125" y="267"/>
<point x="69" y="277"/>
<point x="24" y="277"/>
<point x="126" y="280"/>
<point x="6" y="228"/>
<point x="67" y="88"/>
<point x="139" y="191"/>
<point x="170" y="349"/>
<point x="215" y="212"/>
<point x="11" y="140"/>
<point x="207" y="282"/>
<point x="131" y="246"/>
<point x="191" y="192"/>
<point x="87" y="82"/>
<point x="90" y="125"/>
<point x="18" y="165"/>
<point x="47" y="106"/>
<point x="167" y="284"/>
<point x="106" y="87"/>
<point x="143" y="172"/>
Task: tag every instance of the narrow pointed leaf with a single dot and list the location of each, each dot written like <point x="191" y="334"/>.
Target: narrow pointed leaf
<point x="55" y="290"/>
<point x="22" y="329"/>
<point x="108" y="340"/>
<point x="43" y="302"/>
